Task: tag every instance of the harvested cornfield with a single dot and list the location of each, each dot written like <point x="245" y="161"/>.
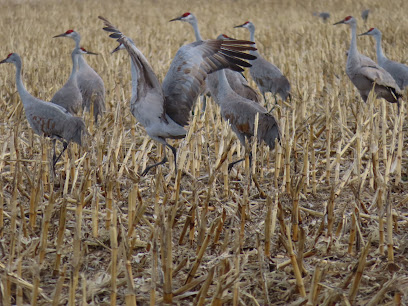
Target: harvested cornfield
<point x="320" y="220"/>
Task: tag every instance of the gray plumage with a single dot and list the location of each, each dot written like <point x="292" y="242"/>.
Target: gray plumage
<point x="267" y="76"/>
<point x="46" y="118"/>
<point x="240" y="113"/>
<point x="236" y="80"/>
<point x="366" y="74"/>
<point x="69" y="96"/>
<point x="164" y="109"/>
<point x="364" y="14"/>
<point x="397" y="70"/>
<point x="89" y="82"/>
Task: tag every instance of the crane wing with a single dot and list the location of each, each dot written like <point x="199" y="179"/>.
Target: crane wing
<point x="147" y="79"/>
<point x="190" y="67"/>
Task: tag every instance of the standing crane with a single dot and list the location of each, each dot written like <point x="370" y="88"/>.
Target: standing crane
<point x="164" y="109"/>
<point x="236" y="80"/>
<point x="267" y="76"/>
<point x="366" y="74"/>
<point x="240" y="113"/>
<point x="69" y="96"/>
<point x="46" y="118"/>
<point x="398" y="71"/>
<point x="89" y="82"/>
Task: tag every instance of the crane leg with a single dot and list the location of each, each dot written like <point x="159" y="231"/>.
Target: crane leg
<point x="230" y="165"/>
<point x="164" y="160"/>
<point x="54" y="160"/>
<point x="173" y="149"/>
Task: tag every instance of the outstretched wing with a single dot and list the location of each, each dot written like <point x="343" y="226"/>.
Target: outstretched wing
<point x="190" y="67"/>
<point x="146" y="78"/>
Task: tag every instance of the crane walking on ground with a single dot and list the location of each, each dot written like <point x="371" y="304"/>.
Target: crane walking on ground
<point x="366" y="74"/>
<point x="89" y="82"/>
<point x="241" y="112"/>
<point x="69" y="96"/>
<point x="164" y="109"/>
<point x="267" y="76"/>
<point x="397" y="70"/>
<point x="46" y="118"/>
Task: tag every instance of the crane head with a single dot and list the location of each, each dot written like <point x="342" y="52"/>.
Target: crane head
<point x="372" y="32"/>
<point x="84" y="51"/>
<point x="246" y="24"/>
<point x="224" y="36"/>
<point x="69" y="33"/>
<point x="347" y="20"/>
<point x="10" y="58"/>
<point x="186" y="17"/>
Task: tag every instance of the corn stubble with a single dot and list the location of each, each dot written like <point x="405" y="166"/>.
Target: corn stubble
<point x="321" y="219"/>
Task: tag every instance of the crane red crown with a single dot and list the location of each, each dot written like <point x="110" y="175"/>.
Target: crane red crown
<point x="186" y="14"/>
<point x="9" y="55"/>
<point x="225" y="36"/>
<point x="370" y="29"/>
<point x="246" y="22"/>
<point x="69" y="31"/>
<point x="347" y="18"/>
<point x="83" y="49"/>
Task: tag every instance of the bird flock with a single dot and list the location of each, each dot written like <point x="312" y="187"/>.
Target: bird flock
<point x="205" y="67"/>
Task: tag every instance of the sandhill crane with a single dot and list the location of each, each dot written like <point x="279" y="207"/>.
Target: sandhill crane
<point x="267" y="76"/>
<point x="164" y="109"/>
<point x="46" y="118"/>
<point x="365" y="73"/>
<point x="398" y="71"/>
<point x="240" y="113"/>
<point x="236" y="80"/>
<point x="69" y="96"/>
<point x="323" y="15"/>
<point x="364" y="14"/>
<point x="89" y="82"/>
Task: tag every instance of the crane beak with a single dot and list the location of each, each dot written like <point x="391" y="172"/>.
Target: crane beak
<point x="3" y="61"/>
<point x="60" y="35"/>
<point x="175" y="19"/>
<point x="365" y="33"/>
<point x="339" y="22"/>
<point x="92" y="53"/>
<point x="120" y="47"/>
<point x="240" y="26"/>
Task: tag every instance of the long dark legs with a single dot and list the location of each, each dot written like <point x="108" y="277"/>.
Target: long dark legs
<point x="164" y="160"/>
<point x="230" y="165"/>
<point x="54" y="160"/>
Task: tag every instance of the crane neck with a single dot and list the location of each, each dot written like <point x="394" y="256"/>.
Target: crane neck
<point x="380" y="55"/>
<point x="74" y="57"/>
<point x="22" y="91"/>
<point x="135" y="78"/>
<point x="196" y="30"/>
<point x="353" y="52"/>
<point x="223" y="86"/>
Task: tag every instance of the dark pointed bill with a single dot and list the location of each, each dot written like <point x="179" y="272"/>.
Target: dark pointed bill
<point x="60" y="35"/>
<point x="239" y="26"/>
<point x="339" y="22"/>
<point x="365" y="33"/>
<point x="174" y="19"/>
